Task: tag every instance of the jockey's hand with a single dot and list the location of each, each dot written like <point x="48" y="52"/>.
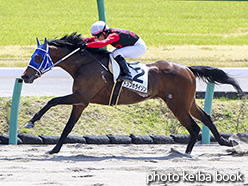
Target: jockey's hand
<point x="82" y="46"/>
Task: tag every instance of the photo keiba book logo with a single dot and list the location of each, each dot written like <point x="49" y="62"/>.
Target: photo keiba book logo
<point x="200" y="177"/>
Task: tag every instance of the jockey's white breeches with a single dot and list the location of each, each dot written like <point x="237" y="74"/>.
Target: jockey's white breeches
<point x="135" y="51"/>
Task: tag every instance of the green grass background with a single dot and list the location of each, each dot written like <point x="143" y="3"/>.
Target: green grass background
<point x="145" y="118"/>
<point x="158" y="22"/>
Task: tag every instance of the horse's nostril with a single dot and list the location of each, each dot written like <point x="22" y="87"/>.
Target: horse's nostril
<point x="24" y="76"/>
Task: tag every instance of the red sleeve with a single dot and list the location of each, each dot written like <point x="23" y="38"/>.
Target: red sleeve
<point x="110" y="39"/>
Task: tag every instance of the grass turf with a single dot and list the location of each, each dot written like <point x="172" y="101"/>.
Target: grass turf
<point x="158" y="22"/>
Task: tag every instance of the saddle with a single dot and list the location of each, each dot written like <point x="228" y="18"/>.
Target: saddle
<point x="139" y="73"/>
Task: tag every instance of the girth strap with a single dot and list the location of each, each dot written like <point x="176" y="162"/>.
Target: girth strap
<point x="115" y="94"/>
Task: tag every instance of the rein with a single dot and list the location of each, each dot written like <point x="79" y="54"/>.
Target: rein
<point x="68" y="55"/>
<point x="73" y="52"/>
<point x="64" y="58"/>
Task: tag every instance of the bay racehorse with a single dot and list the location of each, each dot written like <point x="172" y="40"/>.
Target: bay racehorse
<point x="173" y="83"/>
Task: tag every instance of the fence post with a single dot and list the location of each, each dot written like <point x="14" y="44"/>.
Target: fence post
<point x="101" y="10"/>
<point x="101" y="14"/>
<point x="13" y="124"/>
<point x="208" y="109"/>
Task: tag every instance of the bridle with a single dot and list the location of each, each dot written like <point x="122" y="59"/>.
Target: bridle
<point x="47" y="63"/>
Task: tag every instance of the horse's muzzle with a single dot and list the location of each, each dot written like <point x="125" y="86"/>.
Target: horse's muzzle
<point x="29" y="79"/>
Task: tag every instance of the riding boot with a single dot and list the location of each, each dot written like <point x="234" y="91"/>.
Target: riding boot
<point x="125" y="73"/>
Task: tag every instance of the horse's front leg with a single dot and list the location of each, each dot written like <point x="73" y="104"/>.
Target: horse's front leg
<point x="69" y="100"/>
<point x="75" y="115"/>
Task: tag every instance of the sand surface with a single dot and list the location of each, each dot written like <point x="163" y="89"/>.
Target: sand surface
<point x="122" y="165"/>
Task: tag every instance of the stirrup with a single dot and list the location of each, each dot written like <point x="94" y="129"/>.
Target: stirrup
<point x="126" y="77"/>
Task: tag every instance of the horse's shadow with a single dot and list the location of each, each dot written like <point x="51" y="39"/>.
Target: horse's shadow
<point x="87" y="158"/>
<point x="81" y="158"/>
<point x="78" y="158"/>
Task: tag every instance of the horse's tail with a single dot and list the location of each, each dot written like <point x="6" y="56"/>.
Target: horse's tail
<point x="215" y="75"/>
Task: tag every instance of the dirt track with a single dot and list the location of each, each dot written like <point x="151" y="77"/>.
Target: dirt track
<point x="120" y="165"/>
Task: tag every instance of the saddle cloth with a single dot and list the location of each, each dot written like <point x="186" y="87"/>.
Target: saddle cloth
<point x="138" y="71"/>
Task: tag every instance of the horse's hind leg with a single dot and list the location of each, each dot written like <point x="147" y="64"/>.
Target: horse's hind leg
<point x="181" y="112"/>
<point x="205" y="118"/>
<point x="187" y="121"/>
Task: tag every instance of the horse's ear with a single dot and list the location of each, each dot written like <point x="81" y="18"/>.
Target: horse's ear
<point x="45" y="44"/>
<point x="38" y="42"/>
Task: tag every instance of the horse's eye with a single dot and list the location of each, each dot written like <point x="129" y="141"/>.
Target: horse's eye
<point x="38" y="58"/>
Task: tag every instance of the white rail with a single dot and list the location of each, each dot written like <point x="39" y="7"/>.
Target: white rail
<point x="17" y="72"/>
<point x="59" y="73"/>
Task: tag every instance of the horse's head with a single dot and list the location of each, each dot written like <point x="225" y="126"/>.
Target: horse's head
<point x="40" y="63"/>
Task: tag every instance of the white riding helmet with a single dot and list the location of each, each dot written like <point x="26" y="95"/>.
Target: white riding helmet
<point x="98" y="27"/>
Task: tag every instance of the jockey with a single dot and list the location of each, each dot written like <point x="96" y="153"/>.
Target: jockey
<point x="127" y="45"/>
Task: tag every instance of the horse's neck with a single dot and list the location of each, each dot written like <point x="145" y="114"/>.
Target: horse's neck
<point x="59" y="53"/>
<point x="71" y="64"/>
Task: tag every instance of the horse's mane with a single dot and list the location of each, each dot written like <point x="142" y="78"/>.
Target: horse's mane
<point x="71" y="42"/>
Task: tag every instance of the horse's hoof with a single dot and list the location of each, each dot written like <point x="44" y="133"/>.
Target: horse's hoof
<point x="225" y="142"/>
<point x="234" y="143"/>
<point x="29" y="125"/>
<point x="51" y="152"/>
